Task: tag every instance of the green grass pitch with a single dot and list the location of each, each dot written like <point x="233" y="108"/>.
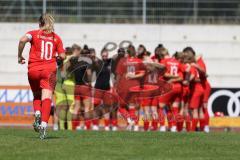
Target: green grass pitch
<point x="20" y="144"/>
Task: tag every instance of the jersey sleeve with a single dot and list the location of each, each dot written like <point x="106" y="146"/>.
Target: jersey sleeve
<point x="29" y="35"/>
<point x="141" y="65"/>
<point x="193" y="72"/>
<point x="201" y="63"/>
<point x="180" y="70"/>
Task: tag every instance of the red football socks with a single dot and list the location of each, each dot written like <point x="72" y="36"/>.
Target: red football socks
<point x="114" y="122"/>
<point x="46" y="108"/>
<point x="124" y="112"/>
<point x="146" y="125"/>
<point x="37" y="105"/>
<point x="175" y="115"/>
<point x="206" y="116"/>
<point x="154" y="125"/>
<point x="180" y="121"/>
<point x="88" y="124"/>
<point x="202" y="124"/>
<point x="75" y="123"/>
<point x="170" y="119"/>
<point x="106" y="122"/>
<point x="95" y="122"/>
<point x="161" y="117"/>
<point x="132" y="113"/>
<point x="188" y="123"/>
<point x="194" y="124"/>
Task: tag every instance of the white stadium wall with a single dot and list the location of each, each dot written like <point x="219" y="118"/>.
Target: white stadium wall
<point x="219" y="45"/>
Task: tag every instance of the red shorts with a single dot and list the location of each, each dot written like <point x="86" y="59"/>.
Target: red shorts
<point x="196" y="99"/>
<point x="148" y="102"/>
<point x="172" y="96"/>
<point x="207" y="91"/>
<point x="81" y="98"/>
<point x="42" y="79"/>
<point x="77" y="94"/>
<point x="102" y="97"/>
<point x="97" y="102"/>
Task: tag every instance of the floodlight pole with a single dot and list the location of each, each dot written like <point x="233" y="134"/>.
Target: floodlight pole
<point x="144" y="11"/>
<point x="23" y="7"/>
<point x="79" y="10"/>
<point x="44" y="8"/>
<point x="195" y="10"/>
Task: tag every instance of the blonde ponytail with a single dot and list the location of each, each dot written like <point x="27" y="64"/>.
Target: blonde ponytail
<point x="47" y="23"/>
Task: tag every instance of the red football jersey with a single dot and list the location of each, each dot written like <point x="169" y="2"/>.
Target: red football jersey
<point x="173" y="66"/>
<point x="152" y="77"/>
<point x="195" y="86"/>
<point x="44" y="49"/>
<point x="130" y="65"/>
<point x="203" y="78"/>
<point x="201" y="63"/>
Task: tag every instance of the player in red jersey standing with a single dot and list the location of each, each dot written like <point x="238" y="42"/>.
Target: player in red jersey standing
<point x="201" y="67"/>
<point x="183" y="111"/>
<point x="207" y="90"/>
<point x="174" y="76"/>
<point x="46" y="48"/>
<point x="130" y="71"/>
<point x="196" y="97"/>
<point x="149" y="103"/>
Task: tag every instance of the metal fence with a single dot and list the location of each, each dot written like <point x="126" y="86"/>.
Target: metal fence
<point x="124" y="11"/>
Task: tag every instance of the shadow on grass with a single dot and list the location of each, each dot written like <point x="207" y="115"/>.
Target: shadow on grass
<point x="48" y="137"/>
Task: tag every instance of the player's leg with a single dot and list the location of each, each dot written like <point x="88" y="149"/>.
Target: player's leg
<point x="113" y="107"/>
<point x="46" y="105"/>
<point x="154" y="115"/>
<point x="202" y="121"/>
<point x="147" y="117"/>
<point x="114" y="119"/>
<point x="195" y="102"/>
<point x="47" y="83"/>
<point x="37" y="105"/>
<point x="75" y="112"/>
<point x="194" y="119"/>
<point x="180" y="118"/>
<point x="176" y="99"/>
<point x="207" y="91"/>
<point x="161" y="117"/>
<point x="55" y="119"/>
<point x="187" y="117"/>
<point x="106" y="121"/>
<point x="134" y="113"/>
<point x="163" y="101"/>
<point x="34" y="81"/>
<point x="182" y="109"/>
<point x="186" y="114"/>
<point x="88" y="114"/>
<point x="145" y="105"/>
<point x="175" y="111"/>
<point x="46" y="109"/>
<point x="201" y="118"/>
<point x="61" y="108"/>
<point x="97" y="113"/>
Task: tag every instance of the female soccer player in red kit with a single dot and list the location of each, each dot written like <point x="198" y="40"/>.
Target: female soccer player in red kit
<point x="46" y="45"/>
<point x="201" y="68"/>
<point x="174" y="76"/>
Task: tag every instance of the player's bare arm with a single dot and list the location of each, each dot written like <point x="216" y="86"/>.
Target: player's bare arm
<point x="140" y="74"/>
<point x="173" y="80"/>
<point x="170" y="76"/>
<point x="21" y="45"/>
